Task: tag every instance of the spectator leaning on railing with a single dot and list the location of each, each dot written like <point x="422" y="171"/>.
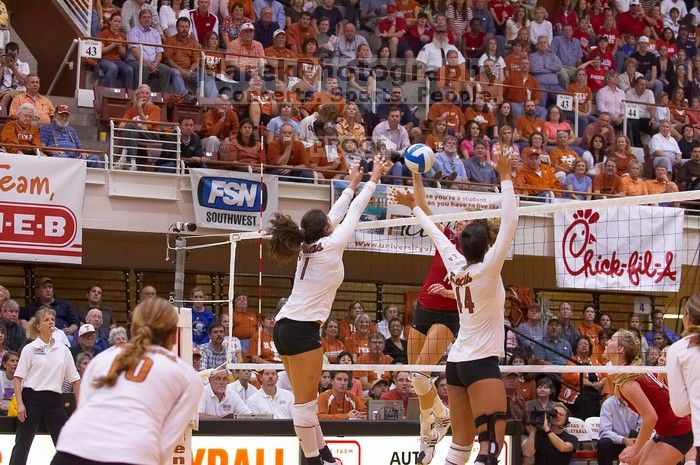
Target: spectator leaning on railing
<point x="59" y="133"/>
<point x="22" y="131"/>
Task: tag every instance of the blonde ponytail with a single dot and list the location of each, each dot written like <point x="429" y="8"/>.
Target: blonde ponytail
<point x="154" y="320"/>
<point x="633" y="357"/>
<point x="33" y="324"/>
<point x="692" y="309"/>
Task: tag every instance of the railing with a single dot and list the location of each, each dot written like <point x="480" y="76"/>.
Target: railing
<point x="80" y="12"/>
<point x="51" y="151"/>
<point x="126" y="141"/>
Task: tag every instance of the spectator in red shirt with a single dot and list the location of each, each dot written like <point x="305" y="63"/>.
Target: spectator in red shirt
<point x="565" y="16"/>
<point x="419" y="34"/>
<point x="402" y="389"/>
<point x="596" y="72"/>
<point x="584" y="34"/>
<point x="473" y="40"/>
<point x="632" y="21"/>
<point x="203" y="21"/>
<point x="391" y="29"/>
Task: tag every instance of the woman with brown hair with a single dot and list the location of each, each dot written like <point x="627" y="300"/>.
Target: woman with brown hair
<point x="125" y="386"/>
<point x="649" y="398"/>
<point x="683" y="362"/>
<point x="330" y="342"/>
<point x="318" y="243"/>
<point x="582" y="399"/>
<point x="38" y="382"/>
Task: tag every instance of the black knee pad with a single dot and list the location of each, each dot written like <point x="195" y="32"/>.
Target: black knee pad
<point x="490" y="436"/>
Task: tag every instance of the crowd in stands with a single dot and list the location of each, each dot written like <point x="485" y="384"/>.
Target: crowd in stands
<point x="331" y="83"/>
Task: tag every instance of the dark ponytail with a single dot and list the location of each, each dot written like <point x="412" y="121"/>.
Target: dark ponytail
<point x="474" y="241"/>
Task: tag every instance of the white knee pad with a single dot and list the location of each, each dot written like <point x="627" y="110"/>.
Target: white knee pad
<point x="457" y="455"/>
<point x="304" y="415"/>
<point x="421" y="383"/>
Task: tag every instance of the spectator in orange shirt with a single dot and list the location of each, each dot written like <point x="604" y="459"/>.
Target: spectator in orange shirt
<point x="245" y="322"/>
<point x="347" y="325"/>
<point x="281" y="61"/>
<point x="245" y="56"/>
<point x="607" y="182"/>
<point x="43" y="108"/>
<point x="538" y="179"/>
<point x="112" y="63"/>
<point x="289" y="154"/>
<point x="453" y="73"/>
<point x="661" y="183"/>
<point x="244" y="148"/>
<point x="450" y="111"/>
<point x="528" y="124"/>
<point x="331" y="94"/>
<point x="261" y="348"/>
<point x="358" y="342"/>
<point x="325" y="154"/>
<point x="339" y="404"/>
<point x="184" y="62"/>
<point x="521" y="86"/>
<point x="375" y="356"/>
<point x="297" y="33"/>
<point x="490" y="85"/>
<point x="145" y="117"/>
<point x="220" y="124"/>
<point x="331" y="344"/>
<point x="21" y="131"/>
<point x="632" y="184"/>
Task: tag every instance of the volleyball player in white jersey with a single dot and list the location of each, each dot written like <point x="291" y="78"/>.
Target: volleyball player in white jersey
<point x="476" y="392"/>
<point x="683" y="365"/>
<point x="319" y="242"/>
<point x="135" y="401"/>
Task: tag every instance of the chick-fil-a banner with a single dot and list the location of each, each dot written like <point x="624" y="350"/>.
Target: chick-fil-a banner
<point x="41" y="208"/>
<point x="626" y="248"/>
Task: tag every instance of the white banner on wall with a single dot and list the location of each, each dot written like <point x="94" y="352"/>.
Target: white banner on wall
<point x="410" y="239"/>
<point x="41" y="208"/>
<point x="232" y="200"/>
<point x="626" y="248"/>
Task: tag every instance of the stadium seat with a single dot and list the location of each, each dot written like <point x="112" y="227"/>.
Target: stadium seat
<point x="593" y="427"/>
<point x="196" y="112"/>
<point x="585" y="452"/>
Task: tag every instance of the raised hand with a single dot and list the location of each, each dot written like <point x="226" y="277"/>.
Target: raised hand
<point x="403" y="197"/>
<point x="355" y="175"/>
<point x="377" y="168"/>
<point x="503" y="166"/>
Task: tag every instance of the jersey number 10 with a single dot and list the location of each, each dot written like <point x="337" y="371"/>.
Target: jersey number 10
<point x="136" y="373"/>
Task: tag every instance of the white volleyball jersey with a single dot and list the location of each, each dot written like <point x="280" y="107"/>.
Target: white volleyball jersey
<point x="320" y="269"/>
<point x="478" y="288"/>
<point x="683" y="364"/>
<point x="141" y="417"/>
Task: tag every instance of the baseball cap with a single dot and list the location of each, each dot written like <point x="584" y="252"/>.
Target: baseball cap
<point x="634" y="2"/>
<point x="86" y="328"/>
<point x="43" y="281"/>
<point x="63" y="109"/>
<point x="391" y="9"/>
<point x="278" y="32"/>
<point x="643" y="39"/>
<point x="247" y="26"/>
<point x="196" y="352"/>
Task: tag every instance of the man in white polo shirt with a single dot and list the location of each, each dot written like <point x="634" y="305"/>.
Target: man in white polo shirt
<point x="219" y="399"/>
<point x="271" y="399"/>
<point x="664" y="147"/>
<point x="242" y="385"/>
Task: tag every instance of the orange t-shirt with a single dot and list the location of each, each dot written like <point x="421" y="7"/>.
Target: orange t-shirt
<point x="605" y="184"/>
<point x="336" y="347"/>
<point x="437" y="143"/>
<point x="245" y="324"/>
<point x="152" y="113"/>
<point x="527" y="127"/>
<point x="656" y="187"/>
<point x="319" y="98"/>
<point x="267" y="349"/>
<point x="13" y="133"/>
<point x="592" y="333"/>
<point x="521" y="88"/>
<point x="535" y="184"/>
<point x="318" y="157"/>
<point x="631" y="187"/>
<point x="114" y="53"/>
<point x="456" y="76"/>
<point x="297" y="156"/>
<point x="581" y="93"/>
<point x="471" y="114"/>
<point x="356" y="344"/>
<point x="452" y="113"/>
<point x="367" y="359"/>
<point x="330" y="407"/>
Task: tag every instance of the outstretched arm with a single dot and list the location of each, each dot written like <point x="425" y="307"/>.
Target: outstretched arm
<point x="344" y="232"/>
<point x="340" y="207"/>
<point x="493" y="261"/>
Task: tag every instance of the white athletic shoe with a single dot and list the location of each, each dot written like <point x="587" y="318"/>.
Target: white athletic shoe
<point x="441" y="425"/>
<point x="427" y="447"/>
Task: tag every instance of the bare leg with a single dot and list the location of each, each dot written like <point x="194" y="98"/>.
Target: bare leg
<point x="463" y="429"/>
<point x="488" y="396"/>
<point x="659" y="453"/>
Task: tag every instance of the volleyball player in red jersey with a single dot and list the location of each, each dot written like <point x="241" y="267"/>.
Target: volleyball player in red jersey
<point x="435" y="324"/>
<point x="649" y="398"/>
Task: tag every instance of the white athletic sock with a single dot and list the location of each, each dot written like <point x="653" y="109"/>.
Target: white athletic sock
<point x="320" y="440"/>
<point x="457" y="455"/>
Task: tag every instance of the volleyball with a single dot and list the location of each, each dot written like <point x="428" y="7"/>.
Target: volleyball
<point x="419" y="158"/>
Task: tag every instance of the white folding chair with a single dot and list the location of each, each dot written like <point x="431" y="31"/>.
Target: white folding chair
<point x="577" y="428"/>
<point x="593" y="427"/>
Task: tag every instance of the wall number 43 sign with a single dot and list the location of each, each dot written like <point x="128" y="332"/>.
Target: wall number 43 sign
<point x="91" y="49"/>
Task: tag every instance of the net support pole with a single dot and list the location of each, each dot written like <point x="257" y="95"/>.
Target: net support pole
<point x="624" y="121"/>
<point x="180" y="257"/>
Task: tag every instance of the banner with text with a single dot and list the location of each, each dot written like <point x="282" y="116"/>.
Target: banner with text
<point x="231" y="200"/>
<point x="410" y="239"/>
<point x="626" y="248"/>
<point x="41" y="210"/>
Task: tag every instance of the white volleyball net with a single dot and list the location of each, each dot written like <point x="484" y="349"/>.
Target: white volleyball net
<point x="625" y="255"/>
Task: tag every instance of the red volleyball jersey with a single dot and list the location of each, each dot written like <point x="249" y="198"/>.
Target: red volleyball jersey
<point x="438" y="274"/>
<point x="668" y="424"/>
